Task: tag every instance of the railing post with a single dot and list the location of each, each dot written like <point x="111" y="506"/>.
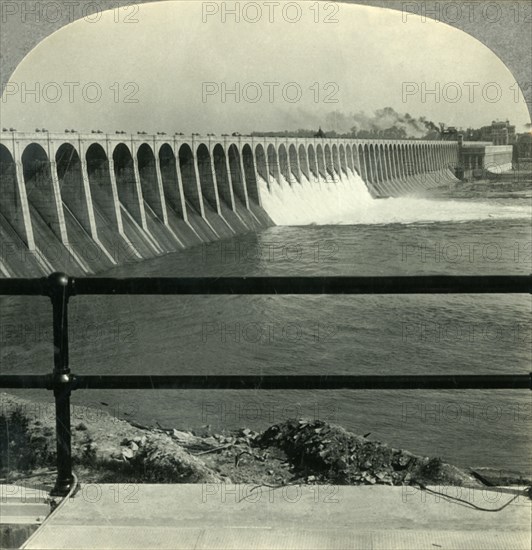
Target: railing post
<point x="59" y="291"/>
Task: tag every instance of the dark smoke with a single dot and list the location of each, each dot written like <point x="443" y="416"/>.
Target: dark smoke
<point x="385" y="123"/>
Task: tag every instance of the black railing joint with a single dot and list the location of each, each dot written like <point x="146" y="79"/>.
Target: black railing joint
<point x="59" y="286"/>
<point x="62" y="382"/>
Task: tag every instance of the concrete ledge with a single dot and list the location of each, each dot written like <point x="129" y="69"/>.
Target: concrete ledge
<point x="235" y="517"/>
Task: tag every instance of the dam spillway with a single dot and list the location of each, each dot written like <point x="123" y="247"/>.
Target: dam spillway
<point x="84" y="203"/>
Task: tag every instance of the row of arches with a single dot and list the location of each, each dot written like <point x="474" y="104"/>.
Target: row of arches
<point x="72" y="192"/>
<point x="235" y="174"/>
<point x="375" y="163"/>
<point x="187" y="181"/>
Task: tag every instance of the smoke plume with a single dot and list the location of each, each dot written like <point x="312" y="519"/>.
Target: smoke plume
<point x="384" y="123"/>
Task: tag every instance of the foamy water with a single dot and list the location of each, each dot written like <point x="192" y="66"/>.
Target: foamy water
<point x="348" y="202"/>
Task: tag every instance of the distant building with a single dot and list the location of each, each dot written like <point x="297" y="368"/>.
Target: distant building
<point x="499" y="133"/>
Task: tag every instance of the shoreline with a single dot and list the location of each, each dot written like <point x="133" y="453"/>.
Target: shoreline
<point x="506" y="187"/>
<point x="106" y="449"/>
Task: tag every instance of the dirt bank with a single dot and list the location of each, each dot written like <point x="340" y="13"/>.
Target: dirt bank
<point x="109" y="450"/>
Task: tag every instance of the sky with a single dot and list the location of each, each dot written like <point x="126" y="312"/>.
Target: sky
<point x="188" y="67"/>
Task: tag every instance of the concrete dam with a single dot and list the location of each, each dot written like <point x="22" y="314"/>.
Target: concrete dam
<point x="83" y="203"/>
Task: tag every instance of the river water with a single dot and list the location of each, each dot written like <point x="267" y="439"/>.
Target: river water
<point x="343" y="233"/>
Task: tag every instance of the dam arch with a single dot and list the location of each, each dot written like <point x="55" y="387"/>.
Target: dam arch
<point x="368" y="162"/>
<point x="409" y="152"/>
<point x="411" y="155"/>
<point x="373" y="163"/>
<point x="237" y="175"/>
<point x="273" y="163"/>
<point x="419" y="158"/>
<point x="100" y="184"/>
<point x="392" y="167"/>
<point x="430" y="158"/>
<point x="392" y="175"/>
<point x="412" y="152"/>
<point x="262" y="165"/>
<point x="354" y="158"/>
<point x="349" y="157"/>
<point x="252" y="189"/>
<point x="381" y="162"/>
<point x="388" y="161"/>
<point x="404" y="160"/>
<point x="420" y="163"/>
<point x="329" y="166"/>
<point x="126" y="182"/>
<point x="395" y="161"/>
<point x="424" y="158"/>
<point x="336" y="161"/>
<point x="303" y="162"/>
<point x="283" y="163"/>
<point x="438" y="164"/>
<point x="148" y="179"/>
<point x="312" y="164"/>
<point x="42" y="199"/>
<point x="225" y="192"/>
<point x="191" y="189"/>
<point x="170" y="179"/>
<point x="343" y="160"/>
<point x="385" y="162"/>
<point x="206" y="178"/>
<point x="11" y="206"/>
<point x="361" y="162"/>
<point x="321" y="162"/>
<point x="399" y="159"/>
<point x="294" y="163"/>
<point x="73" y="196"/>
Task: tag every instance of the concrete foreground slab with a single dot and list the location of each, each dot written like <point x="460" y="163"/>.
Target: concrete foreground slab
<point x="219" y="516"/>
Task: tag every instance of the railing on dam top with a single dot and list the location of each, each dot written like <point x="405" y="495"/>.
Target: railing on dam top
<point x="60" y="288"/>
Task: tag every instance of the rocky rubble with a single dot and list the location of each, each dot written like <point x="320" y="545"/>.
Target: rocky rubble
<point x="334" y="455"/>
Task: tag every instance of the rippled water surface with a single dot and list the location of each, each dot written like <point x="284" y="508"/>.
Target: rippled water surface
<point x="320" y="334"/>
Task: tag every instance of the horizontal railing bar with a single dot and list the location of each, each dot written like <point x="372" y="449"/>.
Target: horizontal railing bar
<point x="305" y="285"/>
<point x="26" y="381"/>
<point x="24" y="287"/>
<point x="280" y="382"/>
<point x="422" y="284"/>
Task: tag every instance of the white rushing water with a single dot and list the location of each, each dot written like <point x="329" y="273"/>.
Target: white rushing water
<point x="349" y="202"/>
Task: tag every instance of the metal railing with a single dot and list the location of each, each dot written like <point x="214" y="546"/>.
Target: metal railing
<point x="60" y="288"/>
